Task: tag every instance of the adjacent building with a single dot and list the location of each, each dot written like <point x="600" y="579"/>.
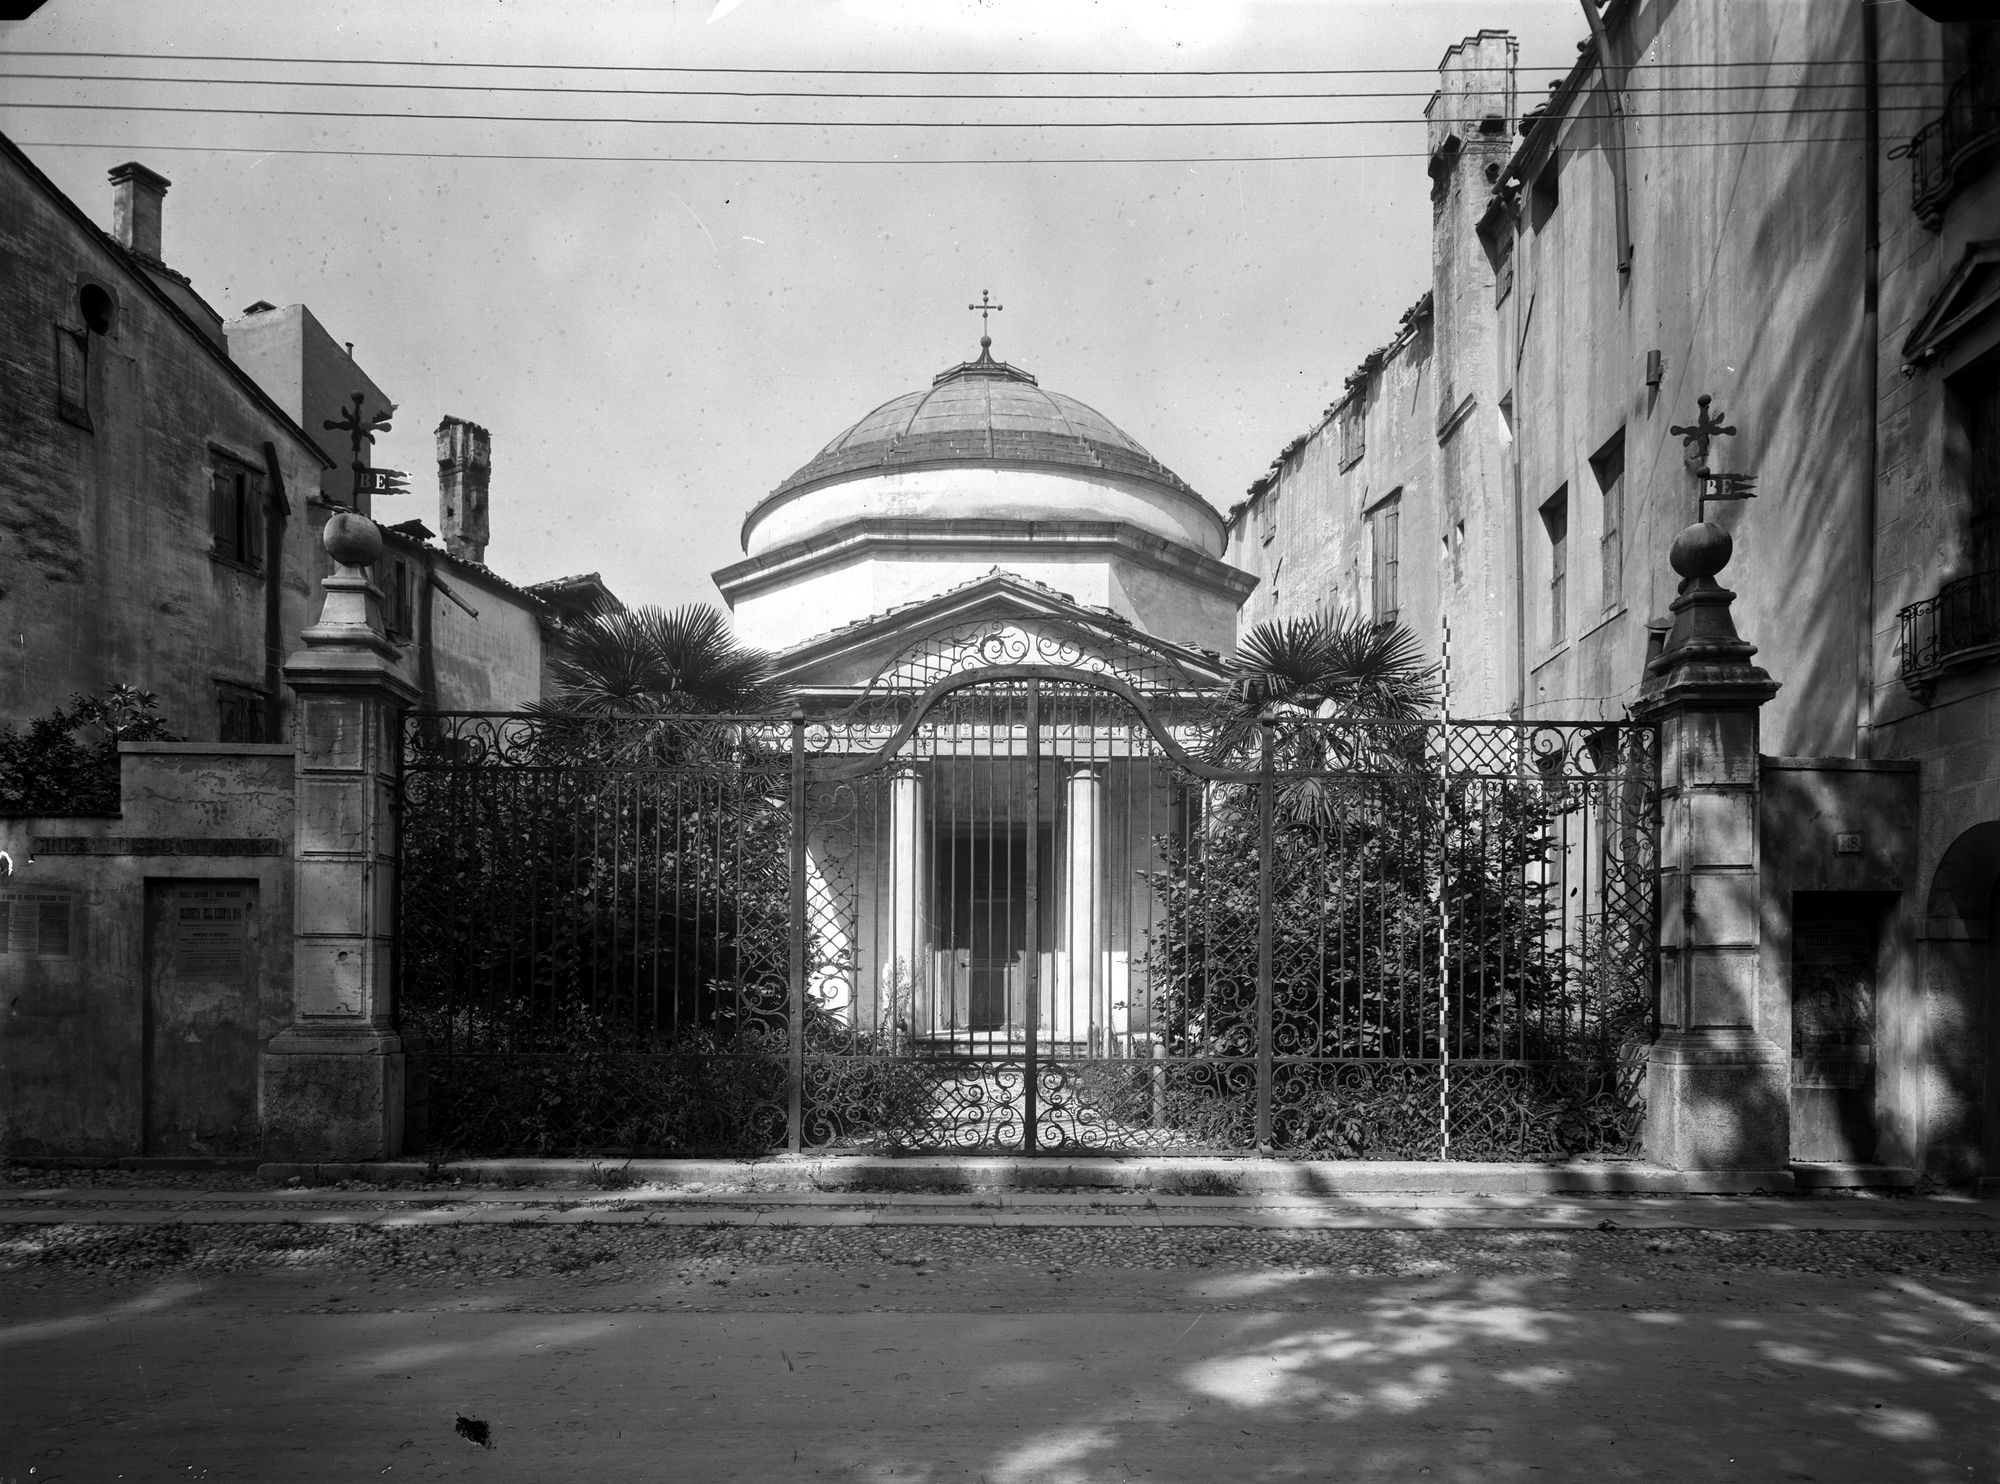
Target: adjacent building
<point x="1777" y="307"/>
<point x="155" y="498"/>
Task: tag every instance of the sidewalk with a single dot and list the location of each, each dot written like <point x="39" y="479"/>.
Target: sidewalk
<point x="53" y="1204"/>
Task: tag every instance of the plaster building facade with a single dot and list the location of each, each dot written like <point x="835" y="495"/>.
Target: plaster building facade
<point x="155" y="524"/>
<point x="1625" y="293"/>
<point x="161" y="509"/>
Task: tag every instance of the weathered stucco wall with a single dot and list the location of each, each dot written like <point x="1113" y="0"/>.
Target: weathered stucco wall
<point x="126" y="1027"/>
<point x="107" y="572"/>
<point x="1746" y="278"/>
<point x="489" y="663"/>
<point x="1431" y="436"/>
<point x="313" y="378"/>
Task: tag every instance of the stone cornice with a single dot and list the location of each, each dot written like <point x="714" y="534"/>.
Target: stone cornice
<point x="1011" y="538"/>
<point x="786" y="493"/>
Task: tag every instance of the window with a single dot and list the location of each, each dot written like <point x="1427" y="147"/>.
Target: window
<point x="96" y="312"/>
<point x="1980" y="398"/>
<point x="1385" y="528"/>
<point x="240" y="712"/>
<point x="1608" y="464"/>
<point x="236" y="513"/>
<point x="1353" y="430"/>
<point x="1544" y="196"/>
<point x="1555" y="520"/>
<point x="73" y="376"/>
<point x="1503" y="265"/>
<point x="1267" y="516"/>
<point x="399" y="616"/>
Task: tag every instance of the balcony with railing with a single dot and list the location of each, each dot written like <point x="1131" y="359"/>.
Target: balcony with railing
<point x="1954" y="147"/>
<point x="1960" y="626"/>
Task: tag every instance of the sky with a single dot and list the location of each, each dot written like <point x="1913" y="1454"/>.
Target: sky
<point x="656" y="342"/>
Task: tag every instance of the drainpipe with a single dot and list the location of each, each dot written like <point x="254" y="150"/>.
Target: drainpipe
<point x="274" y="598"/>
<point x="1871" y="313"/>
<point x="1614" y="105"/>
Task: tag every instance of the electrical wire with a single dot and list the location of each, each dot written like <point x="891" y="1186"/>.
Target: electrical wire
<point x="931" y="125"/>
<point x="1561" y="67"/>
<point x="874" y="96"/>
<point x="601" y="159"/>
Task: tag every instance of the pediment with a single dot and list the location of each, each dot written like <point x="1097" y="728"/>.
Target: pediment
<point x="1000" y="619"/>
<point x="1970" y="294"/>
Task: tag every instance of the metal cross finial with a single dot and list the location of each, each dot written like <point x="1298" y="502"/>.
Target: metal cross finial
<point x="986" y="307"/>
<point x="359" y="430"/>
<point x="1697" y="435"/>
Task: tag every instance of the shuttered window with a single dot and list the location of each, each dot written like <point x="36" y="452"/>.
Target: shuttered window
<point x="236" y="513"/>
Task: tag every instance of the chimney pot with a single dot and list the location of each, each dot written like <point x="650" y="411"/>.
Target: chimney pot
<point x="136" y="197"/>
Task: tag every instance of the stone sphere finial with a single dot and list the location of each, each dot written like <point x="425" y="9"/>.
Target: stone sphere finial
<point x="985" y="342"/>
<point x="351" y="539"/>
<point x="1702" y="550"/>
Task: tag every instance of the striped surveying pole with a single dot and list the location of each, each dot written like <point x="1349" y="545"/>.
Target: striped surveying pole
<point x="1443" y="912"/>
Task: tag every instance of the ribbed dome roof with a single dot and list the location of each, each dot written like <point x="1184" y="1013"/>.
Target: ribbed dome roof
<point x="979" y="412"/>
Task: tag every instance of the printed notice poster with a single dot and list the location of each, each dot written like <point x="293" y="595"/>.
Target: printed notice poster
<point x="211" y="927"/>
<point x="38" y="923"/>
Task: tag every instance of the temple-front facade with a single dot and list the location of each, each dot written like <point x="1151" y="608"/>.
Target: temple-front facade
<point x="983" y="522"/>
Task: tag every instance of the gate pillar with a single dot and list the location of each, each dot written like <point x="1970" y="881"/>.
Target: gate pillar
<point x="1716" y="1086"/>
<point x="331" y="1082"/>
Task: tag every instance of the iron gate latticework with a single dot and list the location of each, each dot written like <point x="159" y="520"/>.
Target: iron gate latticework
<point x="1028" y="908"/>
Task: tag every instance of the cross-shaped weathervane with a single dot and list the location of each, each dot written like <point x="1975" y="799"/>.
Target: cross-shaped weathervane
<point x="359" y="430"/>
<point x="986" y="307"/>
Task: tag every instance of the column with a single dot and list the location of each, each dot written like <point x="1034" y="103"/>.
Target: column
<point x="331" y="1083"/>
<point x="905" y="975"/>
<point x="1717" y="1087"/>
<point x="1077" y="1014"/>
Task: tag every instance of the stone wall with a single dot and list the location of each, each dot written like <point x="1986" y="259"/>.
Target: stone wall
<point x="149" y="957"/>
<point x="107" y="566"/>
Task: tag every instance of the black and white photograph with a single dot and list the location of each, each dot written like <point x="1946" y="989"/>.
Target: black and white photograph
<point x="1012" y="741"/>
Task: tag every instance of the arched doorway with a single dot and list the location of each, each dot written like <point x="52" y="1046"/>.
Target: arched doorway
<point x="1961" y="931"/>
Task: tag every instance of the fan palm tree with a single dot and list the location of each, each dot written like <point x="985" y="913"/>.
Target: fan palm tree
<point x="626" y="661"/>
<point x="1324" y="669"/>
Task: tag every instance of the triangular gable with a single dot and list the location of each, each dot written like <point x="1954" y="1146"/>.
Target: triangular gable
<point x="1971" y="292"/>
<point x="1000" y="619"/>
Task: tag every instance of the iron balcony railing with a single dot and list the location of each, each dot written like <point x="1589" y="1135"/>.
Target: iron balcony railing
<point x="1961" y="623"/>
<point x="1952" y="148"/>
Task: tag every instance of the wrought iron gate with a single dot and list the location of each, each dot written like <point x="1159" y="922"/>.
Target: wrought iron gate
<point x="1028" y="908"/>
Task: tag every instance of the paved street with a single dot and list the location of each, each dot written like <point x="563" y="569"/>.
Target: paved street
<point x="338" y="1335"/>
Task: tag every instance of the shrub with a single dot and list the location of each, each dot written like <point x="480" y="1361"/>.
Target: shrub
<point x="66" y="763"/>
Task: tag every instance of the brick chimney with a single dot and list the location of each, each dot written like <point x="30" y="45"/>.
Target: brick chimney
<point x="465" y="465"/>
<point x="136" y="197"/>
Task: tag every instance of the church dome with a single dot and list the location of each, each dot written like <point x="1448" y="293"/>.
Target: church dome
<point x="983" y="471"/>
<point x="983" y="411"/>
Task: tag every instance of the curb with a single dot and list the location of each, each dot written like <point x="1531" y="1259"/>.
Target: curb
<point x="864" y="1174"/>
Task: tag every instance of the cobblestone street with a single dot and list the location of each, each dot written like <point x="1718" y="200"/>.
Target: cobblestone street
<point x="1646" y="1340"/>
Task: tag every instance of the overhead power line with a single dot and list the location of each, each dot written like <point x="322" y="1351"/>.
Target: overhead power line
<point x="605" y="159"/>
<point x="928" y="124"/>
<point x="871" y="96"/>
<point x="1562" y="67"/>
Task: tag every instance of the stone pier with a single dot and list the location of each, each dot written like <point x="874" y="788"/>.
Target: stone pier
<point x="331" y="1083"/>
<point x="1717" y="1083"/>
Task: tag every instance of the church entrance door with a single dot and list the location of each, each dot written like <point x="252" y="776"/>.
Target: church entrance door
<point x="979" y="915"/>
